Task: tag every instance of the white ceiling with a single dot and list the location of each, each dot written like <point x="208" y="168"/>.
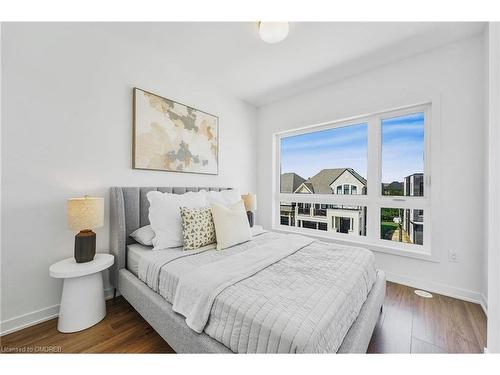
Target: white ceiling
<point x="231" y="55"/>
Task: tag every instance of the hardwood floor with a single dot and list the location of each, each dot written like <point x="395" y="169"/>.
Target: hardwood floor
<point x="412" y="324"/>
<point x="408" y="324"/>
<point x="122" y="331"/>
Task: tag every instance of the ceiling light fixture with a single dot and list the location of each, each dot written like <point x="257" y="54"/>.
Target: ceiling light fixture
<point x="273" y="32"/>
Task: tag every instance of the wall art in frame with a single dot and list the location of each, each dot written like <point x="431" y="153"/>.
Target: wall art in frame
<point x="170" y="136"/>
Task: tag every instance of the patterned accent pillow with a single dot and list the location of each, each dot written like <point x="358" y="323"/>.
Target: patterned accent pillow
<point x="198" y="228"/>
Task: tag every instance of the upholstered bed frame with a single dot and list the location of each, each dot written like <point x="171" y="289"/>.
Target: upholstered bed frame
<point x="129" y="211"/>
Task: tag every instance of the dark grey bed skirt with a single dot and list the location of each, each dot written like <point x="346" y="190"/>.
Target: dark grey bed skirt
<point x="172" y="327"/>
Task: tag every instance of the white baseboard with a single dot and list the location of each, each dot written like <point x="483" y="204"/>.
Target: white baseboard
<point x="484" y="304"/>
<point x="30" y="319"/>
<point x="446" y="290"/>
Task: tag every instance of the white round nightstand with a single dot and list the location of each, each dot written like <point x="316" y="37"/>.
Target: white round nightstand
<point x="82" y="301"/>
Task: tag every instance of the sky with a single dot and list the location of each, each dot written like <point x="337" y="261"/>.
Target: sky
<point x="346" y="147"/>
<point x="402" y="147"/>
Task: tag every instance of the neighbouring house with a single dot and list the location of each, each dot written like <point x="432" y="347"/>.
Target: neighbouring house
<point x="413" y="219"/>
<point x="334" y="181"/>
<point x="290" y="182"/>
<point x="326" y="217"/>
<point x="413" y="185"/>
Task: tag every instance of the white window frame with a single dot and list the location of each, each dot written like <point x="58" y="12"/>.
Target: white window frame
<point x="373" y="200"/>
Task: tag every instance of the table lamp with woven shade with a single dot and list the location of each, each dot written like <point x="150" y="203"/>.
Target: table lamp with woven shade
<point x="250" y="201"/>
<point x="85" y="214"/>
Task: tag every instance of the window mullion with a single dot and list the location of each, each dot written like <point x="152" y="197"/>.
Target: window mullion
<point x="373" y="180"/>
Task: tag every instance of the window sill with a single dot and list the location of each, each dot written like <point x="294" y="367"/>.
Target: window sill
<point x="361" y="242"/>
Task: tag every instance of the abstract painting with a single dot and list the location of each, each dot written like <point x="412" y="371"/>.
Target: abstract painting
<point x="170" y="136"/>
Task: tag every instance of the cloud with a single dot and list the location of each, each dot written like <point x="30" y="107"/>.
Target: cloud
<point x="407" y="119"/>
<point x="338" y="137"/>
<point x="403" y="130"/>
<point x="307" y="165"/>
<point x="308" y="154"/>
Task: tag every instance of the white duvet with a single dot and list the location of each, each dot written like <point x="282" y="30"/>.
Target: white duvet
<point x="275" y="294"/>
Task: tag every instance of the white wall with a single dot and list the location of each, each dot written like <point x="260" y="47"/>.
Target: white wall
<point x="454" y="74"/>
<point x="67" y="131"/>
<point x="493" y="213"/>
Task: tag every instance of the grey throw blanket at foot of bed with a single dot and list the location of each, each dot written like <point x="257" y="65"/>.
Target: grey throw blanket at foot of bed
<point x="197" y="290"/>
<point x="305" y="303"/>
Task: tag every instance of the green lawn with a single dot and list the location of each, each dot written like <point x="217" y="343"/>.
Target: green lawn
<point x="387" y="226"/>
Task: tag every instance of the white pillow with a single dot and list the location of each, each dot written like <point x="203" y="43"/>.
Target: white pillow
<point x="231" y="224"/>
<point x="225" y="197"/>
<point x="165" y="216"/>
<point x="144" y="235"/>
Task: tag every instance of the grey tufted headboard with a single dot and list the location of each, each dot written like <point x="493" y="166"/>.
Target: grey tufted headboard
<point x="129" y="210"/>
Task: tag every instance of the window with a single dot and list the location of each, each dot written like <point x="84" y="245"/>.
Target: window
<point x="332" y="151"/>
<point x="402" y="225"/>
<point x="403" y="155"/>
<point x="330" y="166"/>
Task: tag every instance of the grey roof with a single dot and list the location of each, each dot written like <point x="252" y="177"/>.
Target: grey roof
<point x="320" y="183"/>
<point x="358" y="176"/>
<point x="309" y="185"/>
<point x="290" y="182"/>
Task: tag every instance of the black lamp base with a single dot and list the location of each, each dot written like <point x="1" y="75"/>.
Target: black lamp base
<point x="85" y="246"/>
<point x="250" y="218"/>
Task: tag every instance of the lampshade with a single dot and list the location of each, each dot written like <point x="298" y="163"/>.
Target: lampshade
<point x="250" y="201"/>
<point x="85" y="213"/>
<point x="273" y="32"/>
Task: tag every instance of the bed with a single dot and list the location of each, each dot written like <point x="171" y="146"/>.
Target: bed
<point x="244" y="315"/>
